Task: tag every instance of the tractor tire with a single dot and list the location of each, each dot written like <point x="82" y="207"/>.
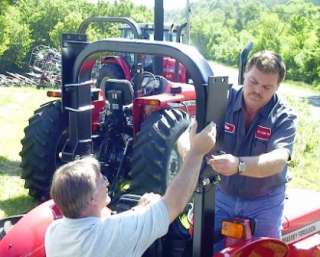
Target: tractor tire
<point x="43" y="141"/>
<point x="155" y="160"/>
<point x="110" y="70"/>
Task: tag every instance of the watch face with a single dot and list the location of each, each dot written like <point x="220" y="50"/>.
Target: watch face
<point x="242" y="167"/>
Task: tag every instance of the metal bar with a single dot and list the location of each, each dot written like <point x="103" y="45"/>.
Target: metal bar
<point x="158" y="34"/>
<point x="79" y="142"/>
<point x="243" y="62"/>
<point x="198" y="68"/>
<point x="204" y="210"/>
<point x="103" y="19"/>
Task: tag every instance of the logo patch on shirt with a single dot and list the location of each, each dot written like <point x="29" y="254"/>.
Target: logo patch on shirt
<point x="229" y="128"/>
<point x="263" y="133"/>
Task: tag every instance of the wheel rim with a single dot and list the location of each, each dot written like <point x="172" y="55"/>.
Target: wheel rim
<point x="174" y="163"/>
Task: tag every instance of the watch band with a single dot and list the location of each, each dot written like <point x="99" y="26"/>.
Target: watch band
<point x="241" y="166"/>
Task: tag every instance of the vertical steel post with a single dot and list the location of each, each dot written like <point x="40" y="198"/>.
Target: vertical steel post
<point x="158" y="32"/>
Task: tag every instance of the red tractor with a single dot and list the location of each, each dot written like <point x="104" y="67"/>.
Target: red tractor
<point x="132" y="128"/>
<point x="23" y="235"/>
<point x="144" y="112"/>
<point x="124" y="66"/>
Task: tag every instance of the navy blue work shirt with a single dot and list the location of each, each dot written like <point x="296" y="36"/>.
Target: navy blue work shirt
<point x="273" y="127"/>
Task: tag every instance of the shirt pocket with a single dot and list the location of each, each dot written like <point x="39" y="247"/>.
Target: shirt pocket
<point x="259" y="147"/>
<point x="229" y="142"/>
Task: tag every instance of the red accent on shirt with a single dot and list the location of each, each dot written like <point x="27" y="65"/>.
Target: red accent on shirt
<point x="263" y="133"/>
<point x="229" y="128"/>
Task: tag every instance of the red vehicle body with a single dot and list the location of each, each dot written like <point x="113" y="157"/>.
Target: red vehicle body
<point x="300" y="234"/>
<point x="125" y="64"/>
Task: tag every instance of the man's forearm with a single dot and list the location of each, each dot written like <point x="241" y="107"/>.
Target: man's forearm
<point x="265" y="165"/>
<point x="180" y="190"/>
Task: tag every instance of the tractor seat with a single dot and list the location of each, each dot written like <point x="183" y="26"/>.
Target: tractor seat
<point x="122" y="85"/>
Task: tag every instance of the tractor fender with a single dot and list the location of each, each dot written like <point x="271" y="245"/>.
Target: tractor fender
<point x="174" y="71"/>
<point x="26" y="237"/>
<point x="87" y="66"/>
<point x="263" y="247"/>
<point x="184" y="100"/>
<point x="119" y="60"/>
<point x="309" y="246"/>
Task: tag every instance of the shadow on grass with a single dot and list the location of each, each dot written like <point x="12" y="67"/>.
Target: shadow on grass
<point x="9" y="167"/>
<point x="313" y="100"/>
<point x="17" y="205"/>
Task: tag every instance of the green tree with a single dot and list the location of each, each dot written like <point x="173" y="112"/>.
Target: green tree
<point x="267" y="32"/>
<point x="201" y="29"/>
<point x="246" y="13"/>
<point x="70" y="23"/>
<point x="15" y="41"/>
<point x="221" y="28"/>
<point x="41" y="22"/>
<point x="4" y="6"/>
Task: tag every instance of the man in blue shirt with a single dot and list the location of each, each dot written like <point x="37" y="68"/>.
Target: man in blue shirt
<point x="258" y="137"/>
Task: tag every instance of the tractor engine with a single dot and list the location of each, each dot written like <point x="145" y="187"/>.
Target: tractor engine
<point x="117" y="129"/>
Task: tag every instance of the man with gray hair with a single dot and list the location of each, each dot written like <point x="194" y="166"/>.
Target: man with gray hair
<point x="88" y="229"/>
<point x="259" y="133"/>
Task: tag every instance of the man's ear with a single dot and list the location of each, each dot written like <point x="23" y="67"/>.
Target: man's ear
<point x="91" y="206"/>
<point x="93" y="201"/>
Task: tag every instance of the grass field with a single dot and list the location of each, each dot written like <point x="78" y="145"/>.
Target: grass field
<point x="305" y="164"/>
<point x="18" y="104"/>
<point x="16" y="107"/>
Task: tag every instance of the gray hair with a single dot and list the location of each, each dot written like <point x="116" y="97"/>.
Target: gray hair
<point x="73" y="185"/>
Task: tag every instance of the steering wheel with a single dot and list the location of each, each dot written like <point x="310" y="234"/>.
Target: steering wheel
<point x="149" y="83"/>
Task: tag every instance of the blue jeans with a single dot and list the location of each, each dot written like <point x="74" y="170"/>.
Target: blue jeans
<point x="266" y="211"/>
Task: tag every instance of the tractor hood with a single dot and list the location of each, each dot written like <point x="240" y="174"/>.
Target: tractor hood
<point x="25" y="238"/>
<point x="301" y="215"/>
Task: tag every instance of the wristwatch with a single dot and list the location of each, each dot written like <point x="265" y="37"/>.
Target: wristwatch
<point x="242" y="166"/>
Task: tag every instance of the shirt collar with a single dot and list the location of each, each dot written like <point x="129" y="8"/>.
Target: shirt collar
<point x="268" y="107"/>
<point x="238" y="101"/>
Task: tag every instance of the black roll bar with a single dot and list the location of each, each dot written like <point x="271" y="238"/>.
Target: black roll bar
<point x="243" y="62"/>
<point x="198" y="68"/>
<point x="105" y="19"/>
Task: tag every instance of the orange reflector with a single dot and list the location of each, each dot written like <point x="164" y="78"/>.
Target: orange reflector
<point x="231" y="229"/>
<point x="153" y="102"/>
<point x="54" y="93"/>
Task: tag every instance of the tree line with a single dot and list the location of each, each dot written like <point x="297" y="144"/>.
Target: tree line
<point x="219" y="28"/>
<point x="25" y="24"/>
<point x="292" y="28"/>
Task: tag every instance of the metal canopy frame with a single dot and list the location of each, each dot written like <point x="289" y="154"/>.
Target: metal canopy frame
<point x="211" y="102"/>
<point x="198" y="68"/>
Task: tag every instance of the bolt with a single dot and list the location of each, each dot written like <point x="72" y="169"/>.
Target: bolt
<point x="205" y="181"/>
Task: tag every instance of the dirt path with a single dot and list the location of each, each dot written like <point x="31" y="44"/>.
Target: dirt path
<point x="313" y="99"/>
